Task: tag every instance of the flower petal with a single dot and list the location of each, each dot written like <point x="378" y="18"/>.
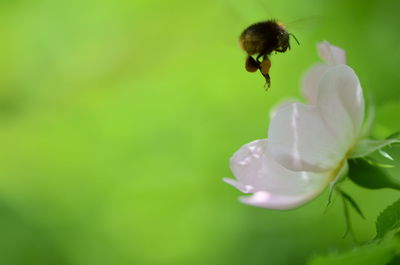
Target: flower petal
<point x="316" y="138"/>
<point x="341" y="102"/>
<point x="331" y="54"/>
<point x="265" y="199"/>
<point x="300" y="140"/>
<point x="273" y="185"/>
<point x="311" y="81"/>
<point x="281" y="104"/>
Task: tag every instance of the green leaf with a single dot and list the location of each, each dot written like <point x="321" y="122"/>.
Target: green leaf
<point x="368" y="146"/>
<point x="370" y="176"/>
<point x="369" y="119"/>
<point x="375" y="163"/>
<point x="341" y="176"/>
<point x="352" y="202"/>
<point x="395" y="135"/>
<point x="371" y="254"/>
<point x="386" y="155"/>
<point x="388" y="220"/>
<point x="395" y="261"/>
<point x="349" y="228"/>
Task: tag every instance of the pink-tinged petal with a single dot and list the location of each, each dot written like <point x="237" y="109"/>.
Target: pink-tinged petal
<point x="311" y="81"/>
<point x="265" y="199"/>
<point x="240" y="186"/>
<point x="300" y="140"/>
<point x="331" y="54"/>
<point x="273" y="186"/>
<point x="341" y="102"/>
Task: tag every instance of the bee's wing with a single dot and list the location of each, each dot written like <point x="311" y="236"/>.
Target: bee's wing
<point x="306" y="24"/>
<point x="251" y="12"/>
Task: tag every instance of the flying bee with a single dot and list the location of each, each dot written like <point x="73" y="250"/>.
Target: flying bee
<point x="260" y="40"/>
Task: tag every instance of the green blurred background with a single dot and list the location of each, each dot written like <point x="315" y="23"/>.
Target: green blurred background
<point x="117" y="120"/>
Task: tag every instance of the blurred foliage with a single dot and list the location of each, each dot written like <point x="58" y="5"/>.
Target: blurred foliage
<point x="389" y="220"/>
<point x="369" y="254"/>
<point x="383" y="250"/>
<point x="117" y="120"/>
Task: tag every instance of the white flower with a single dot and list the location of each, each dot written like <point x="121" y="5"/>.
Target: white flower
<point x="332" y="56"/>
<point x="308" y="145"/>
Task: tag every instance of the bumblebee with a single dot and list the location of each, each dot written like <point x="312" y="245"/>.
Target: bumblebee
<point x="260" y="40"/>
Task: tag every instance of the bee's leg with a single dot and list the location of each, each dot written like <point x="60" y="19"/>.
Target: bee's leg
<point x="267" y="82"/>
<point x="264" y="69"/>
<point x="265" y="65"/>
<point x="262" y="54"/>
<point x="251" y="65"/>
